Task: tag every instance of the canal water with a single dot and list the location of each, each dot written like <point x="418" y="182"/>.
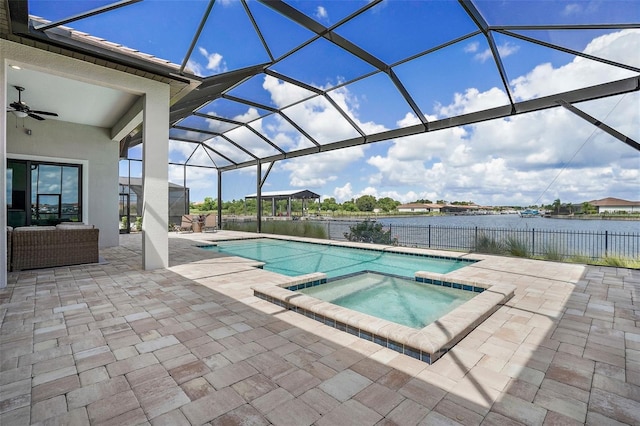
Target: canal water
<point x="509" y="221"/>
<point x="593" y="238"/>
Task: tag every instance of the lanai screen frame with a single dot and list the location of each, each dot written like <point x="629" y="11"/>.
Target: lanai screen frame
<point x="218" y="86"/>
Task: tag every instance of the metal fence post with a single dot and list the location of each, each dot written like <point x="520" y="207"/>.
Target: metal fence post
<point x="475" y="243"/>
<point x="429" y="233"/>
<point x="606" y="243"/>
<point x="533" y="241"/>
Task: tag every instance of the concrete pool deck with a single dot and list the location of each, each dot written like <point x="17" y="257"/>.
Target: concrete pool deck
<point x="110" y="343"/>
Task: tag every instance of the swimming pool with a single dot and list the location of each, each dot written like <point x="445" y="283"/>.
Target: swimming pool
<point x="293" y="258"/>
<point x="399" y="300"/>
<point x="426" y="344"/>
<point x="309" y="265"/>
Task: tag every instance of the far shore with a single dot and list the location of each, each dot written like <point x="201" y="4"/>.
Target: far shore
<point x="593" y="217"/>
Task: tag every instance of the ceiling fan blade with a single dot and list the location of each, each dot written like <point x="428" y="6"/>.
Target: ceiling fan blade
<point x="16" y="106"/>
<point x="44" y="113"/>
<point x="37" y="117"/>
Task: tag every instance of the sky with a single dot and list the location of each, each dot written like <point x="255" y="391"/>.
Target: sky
<point x="528" y="159"/>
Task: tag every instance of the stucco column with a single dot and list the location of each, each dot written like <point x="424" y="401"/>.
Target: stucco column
<point x="155" y="179"/>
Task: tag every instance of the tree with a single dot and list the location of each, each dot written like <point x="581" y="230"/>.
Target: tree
<point x="329" y="204"/>
<point x="556" y="205"/>
<point x="349" y="206"/>
<point x="366" y="203"/>
<point x="370" y="232"/>
<point x="240" y="207"/>
<point x="441" y="202"/>
<point x="588" y="208"/>
<point x="387" y="204"/>
<point x="209" y="204"/>
<point x="423" y="201"/>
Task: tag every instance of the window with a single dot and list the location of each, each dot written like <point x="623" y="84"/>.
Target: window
<point x="55" y="193"/>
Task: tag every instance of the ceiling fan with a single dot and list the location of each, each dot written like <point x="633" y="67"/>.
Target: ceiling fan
<point x="22" y="110"/>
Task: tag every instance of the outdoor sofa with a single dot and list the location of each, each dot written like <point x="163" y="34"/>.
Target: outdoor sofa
<point x="32" y="247"/>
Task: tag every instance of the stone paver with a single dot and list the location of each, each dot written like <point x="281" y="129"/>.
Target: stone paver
<point x="111" y="343"/>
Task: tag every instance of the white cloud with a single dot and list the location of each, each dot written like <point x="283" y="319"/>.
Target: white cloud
<point x="506" y="49"/>
<point x="507" y="161"/>
<point x="472" y="47"/>
<point x="194" y="67"/>
<point x="283" y="94"/>
<point x="473" y="100"/>
<point x="250" y="115"/>
<point x="483" y="56"/>
<point x="321" y="13"/>
<point x="215" y="61"/>
<point x="324" y="123"/>
<point x="320" y="169"/>
<point x="572" y="9"/>
<point x="513" y="160"/>
<point x="545" y="79"/>
<point x="344" y="193"/>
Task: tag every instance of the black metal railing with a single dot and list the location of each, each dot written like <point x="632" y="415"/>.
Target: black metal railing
<point x="530" y="242"/>
<point x="543" y="243"/>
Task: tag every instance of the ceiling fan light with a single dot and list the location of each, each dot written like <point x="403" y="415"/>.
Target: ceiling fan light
<point x="20" y="114"/>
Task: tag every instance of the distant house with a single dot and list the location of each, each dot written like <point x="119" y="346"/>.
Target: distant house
<point x="460" y="208"/>
<point x="610" y="205"/>
<point x="418" y="208"/>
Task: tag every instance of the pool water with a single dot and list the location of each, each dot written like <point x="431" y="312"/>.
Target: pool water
<point x="394" y="299"/>
<point x="293" y="258"/>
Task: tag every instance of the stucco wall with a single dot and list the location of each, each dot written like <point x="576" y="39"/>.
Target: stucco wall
<point x="59" y="141"/>
<point x="615" y="209"/>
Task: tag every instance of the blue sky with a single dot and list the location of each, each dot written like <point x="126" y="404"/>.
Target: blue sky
<point x="522" y="160"/>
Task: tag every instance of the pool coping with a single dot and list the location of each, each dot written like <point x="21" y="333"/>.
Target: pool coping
<point x="409" y="251"/>
<point x="427" y="344"/>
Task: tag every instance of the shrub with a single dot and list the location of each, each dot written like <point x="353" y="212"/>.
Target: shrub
<point x="370" y="232"/>
<point x="552" y="252"/>
<point x="621" y="262"/>
<point x="516" y="247"/>
<point x="580" y="258"/>
<point x="239" y="226"/>
<point x="489" y="245"/>
<point x="278" y="227"/>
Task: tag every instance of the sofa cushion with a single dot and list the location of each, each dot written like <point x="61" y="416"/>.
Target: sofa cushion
<point x="74" y="226"/>
<point x="34" y="228"/>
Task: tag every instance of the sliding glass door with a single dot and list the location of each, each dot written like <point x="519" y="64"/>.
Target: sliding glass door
<point x="42" y="193"/>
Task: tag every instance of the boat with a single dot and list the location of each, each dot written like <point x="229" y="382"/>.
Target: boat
<point x="529" y="213"/>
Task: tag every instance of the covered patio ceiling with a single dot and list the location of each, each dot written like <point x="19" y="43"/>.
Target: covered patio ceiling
<point x="249" y="73"/>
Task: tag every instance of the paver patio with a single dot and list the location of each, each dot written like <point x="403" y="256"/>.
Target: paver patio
<point x="110" y="343"/>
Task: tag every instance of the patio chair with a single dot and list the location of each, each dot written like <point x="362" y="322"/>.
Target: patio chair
<point x="186" y="224"/>
<point x="210" y="223"/>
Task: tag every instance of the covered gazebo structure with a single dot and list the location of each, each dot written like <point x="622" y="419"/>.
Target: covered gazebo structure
<point x="289" y="195"/>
